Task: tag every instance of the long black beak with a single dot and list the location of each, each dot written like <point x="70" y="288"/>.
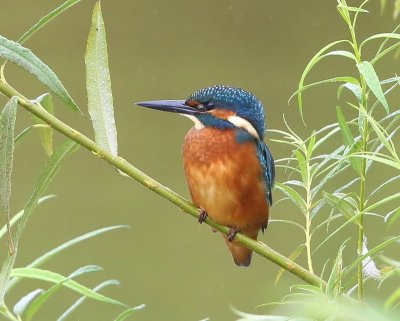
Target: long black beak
<point x="174" y="106"/>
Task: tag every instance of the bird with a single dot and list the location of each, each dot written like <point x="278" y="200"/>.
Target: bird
<point x="229" y="169"/>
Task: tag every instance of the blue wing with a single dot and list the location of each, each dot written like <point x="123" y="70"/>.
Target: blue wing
<point x="268" y="166"/>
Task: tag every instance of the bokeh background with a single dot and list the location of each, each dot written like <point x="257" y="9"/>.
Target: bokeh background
<point x="166" y="50"/>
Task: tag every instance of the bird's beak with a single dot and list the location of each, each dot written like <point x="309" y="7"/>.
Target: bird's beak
<point x="174" y="106"/>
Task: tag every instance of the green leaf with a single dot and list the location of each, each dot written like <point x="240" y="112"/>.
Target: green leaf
<point x="52" y="253"/>
<point x="122" y="316"/>
<point x="352" y="9"/>
<point x="354" y="88"/>
<point x="38" y="302"/>
<point x="82" y="299"/>
<point x="27" y="130"/>
<point x="293" y="256"/>
<point x="98" y="84"/>
<point x="7" y="126"/>
<point x="333" y="286"/>
<point x="345" y="79"/>
<point x="49" y="172"/>
<point x="341" y="204"/>
<point x="46" y="19"/>
<point x="392" y="217"/>
<point x="21" y="306"/>
<point x="49" y="276"/>
<point x="293" y="195"/>
<point x="24" y="58"/>
<point x="380" y="36"/>
<point x="18" y="216"/>
<point x="314" y="60"/>
<point x="45" y="132"/>
<point x="368" y="72"/>
<point x="348" y="138"/>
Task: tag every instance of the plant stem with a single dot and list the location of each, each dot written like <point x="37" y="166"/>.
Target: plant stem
<point x="125" y="167"/>
<point x="364" y="134"/>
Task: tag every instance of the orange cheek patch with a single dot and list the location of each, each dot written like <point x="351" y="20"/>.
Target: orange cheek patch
<point x="222" y="114"/>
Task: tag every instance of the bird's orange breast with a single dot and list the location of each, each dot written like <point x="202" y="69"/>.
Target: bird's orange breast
<point x="225" y="179"/>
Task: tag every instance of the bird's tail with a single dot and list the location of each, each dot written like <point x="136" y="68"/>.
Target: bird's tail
<point x="241" y="255"/>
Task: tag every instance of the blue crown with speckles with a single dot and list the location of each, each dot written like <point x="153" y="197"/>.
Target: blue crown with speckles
<point x="240" y="101"/>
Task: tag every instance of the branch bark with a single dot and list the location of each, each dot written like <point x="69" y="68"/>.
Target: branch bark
<point x="124" y="166"/>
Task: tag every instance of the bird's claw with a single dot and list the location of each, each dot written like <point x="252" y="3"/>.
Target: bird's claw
<point x="202" y="216"/>
<point x="232" y="233"/>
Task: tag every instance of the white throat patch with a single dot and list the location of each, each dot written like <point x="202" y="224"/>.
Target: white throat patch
<point x="244" y="124"/>
<point x="197" y="123"/>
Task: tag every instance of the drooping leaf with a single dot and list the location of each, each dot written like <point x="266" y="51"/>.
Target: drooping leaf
<point x="314" y="60"/>
<point x="354" y="88"/>
<point x="48" y="174"/>
<point x="18" y="216"/>
<point x="45" y="132"/>
<point x="49" y="276"/>
<point x="25" y="301"/>
<point x="52" y="253"/>
<point x="7" y="126"/>
<point x="293" y="195"/>
<point x="372" y="80"/>
<point x="341" y="204"/>
<point x="98" y="84"/>
<point x="23" y="57"/>
<point x="38" y="301"/>
<point x="46" y="19"/>
<point x="392" y="217"/>
<point x="82" y="299"/>
<point x="122" y="316"/>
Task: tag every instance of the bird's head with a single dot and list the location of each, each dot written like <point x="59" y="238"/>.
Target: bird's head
<point x="218" y="106"/>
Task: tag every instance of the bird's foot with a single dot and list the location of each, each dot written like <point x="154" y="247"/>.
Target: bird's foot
<point x="232" y="233"/>
<point x="203" y="216"/>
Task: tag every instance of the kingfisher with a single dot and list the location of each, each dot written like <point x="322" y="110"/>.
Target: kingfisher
<point x="229" y="169"/>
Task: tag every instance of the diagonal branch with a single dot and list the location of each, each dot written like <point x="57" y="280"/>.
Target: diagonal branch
<point x="122" y="165"/>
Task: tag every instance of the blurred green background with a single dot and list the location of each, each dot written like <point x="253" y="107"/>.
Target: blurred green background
<point x="166" y="50"/>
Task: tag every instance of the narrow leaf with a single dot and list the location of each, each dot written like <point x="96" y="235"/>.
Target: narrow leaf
<point x="352" y="9"/>
<point x="24" y="58"/>
<point x="392" y="217"/>
<point x="293" y="195"/>
<point x="380" y="36"/>
<point x="49" y="172"/>
<point x="98" y="84"/>
<point x="314" y="60"/>
<point x="46" y="19"/>
<point x="372" y="80"/>
<point x="25" y="301"/>
<point x="355" y="89"/>
<point x="45" y="132"/>
<point x="7" y="126"/>
<point x="348" y="138"/>
<point x="341" y="204"/>
<point x="122" y="316"/>
<point x="48" y="276"/>
<point x="18" y="216"/>
<point x="82" y="299"/>
<point x="293" y="256"/>
<point x="38" y="302"/>
<point x="59" y="249"/>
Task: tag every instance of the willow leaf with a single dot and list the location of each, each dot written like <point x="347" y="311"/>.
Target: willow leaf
<point x="98" y="84"/>
<point x="24" y="58"/>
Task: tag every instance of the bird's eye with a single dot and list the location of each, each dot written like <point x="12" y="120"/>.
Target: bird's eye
<point x="195" y="104"/>
<point x="209" y="105"/>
